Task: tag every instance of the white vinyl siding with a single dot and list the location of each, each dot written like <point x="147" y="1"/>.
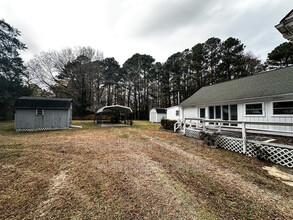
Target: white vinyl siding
<point x="173" y="113"/>
<point x="268" y="115"/>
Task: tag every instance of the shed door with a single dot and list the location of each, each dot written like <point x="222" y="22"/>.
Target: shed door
<point x="153" y="116"/>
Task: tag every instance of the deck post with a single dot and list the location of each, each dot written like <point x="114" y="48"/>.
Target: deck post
<point x="244" y="137"/>
<point x="219" y="128"/>
<point x="184" y="126"/>
<point x="203" y="125"/>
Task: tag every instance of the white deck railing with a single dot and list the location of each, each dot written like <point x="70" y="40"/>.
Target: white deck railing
<point x="220" y="125"/>
<point x="277" y="153"/>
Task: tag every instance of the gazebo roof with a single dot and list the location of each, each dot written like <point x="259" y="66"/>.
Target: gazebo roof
<point x="115" y="107"/>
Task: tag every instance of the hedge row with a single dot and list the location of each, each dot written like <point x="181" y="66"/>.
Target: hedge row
<point x="168" y="124"/>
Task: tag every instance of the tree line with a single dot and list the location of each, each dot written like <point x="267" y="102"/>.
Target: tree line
<point x="92" y="81"/>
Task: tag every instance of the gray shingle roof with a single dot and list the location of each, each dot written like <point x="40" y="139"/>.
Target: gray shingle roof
<point x="271" y="83"/>
<point x="42" y="103"/>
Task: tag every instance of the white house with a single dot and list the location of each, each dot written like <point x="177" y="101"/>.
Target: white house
<point x="265" y="97"/>
<point x="156" y="114"/>
<point x="173" y="113"/>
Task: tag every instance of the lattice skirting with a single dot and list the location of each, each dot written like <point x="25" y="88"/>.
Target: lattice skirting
<point x="232" y="144"/>
<point x="192" y="133"/>
<point x="39" y="129"/>
<point x="276" y="153"/>
<point x="279" y="154"/>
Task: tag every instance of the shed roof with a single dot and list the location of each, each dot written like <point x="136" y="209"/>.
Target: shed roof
<point x="266" y="84"/>
<point x="160" y="110"/>
<point x="42" y="103"/>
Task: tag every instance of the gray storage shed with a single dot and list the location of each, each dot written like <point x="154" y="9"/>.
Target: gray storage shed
<point x="35" y="113"/>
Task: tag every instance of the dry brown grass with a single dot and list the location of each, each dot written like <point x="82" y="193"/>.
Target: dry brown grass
<point x="131" y="173"/>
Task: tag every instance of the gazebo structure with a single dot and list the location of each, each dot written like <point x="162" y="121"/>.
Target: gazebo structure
<point x="114" y="115"/>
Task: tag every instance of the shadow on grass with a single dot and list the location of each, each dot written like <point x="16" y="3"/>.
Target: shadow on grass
<point x="145" y="125"/>
<point x="6" y="127"/>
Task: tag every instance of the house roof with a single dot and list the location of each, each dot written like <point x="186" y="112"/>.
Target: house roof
<point x="285" y="26"/>
<point x="42" y="103"/>
<point x="288" y="15"/>
<point x="161" y="110"/>
<point x="266" y="84"/>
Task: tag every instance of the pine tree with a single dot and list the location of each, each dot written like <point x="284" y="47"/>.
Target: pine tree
<point x="11" y="69"/>
<point x="281" y="56"/>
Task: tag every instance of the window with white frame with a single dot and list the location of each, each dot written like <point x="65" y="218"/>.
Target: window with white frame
<point x="39" y="111"/>
<point x="215" y="112"/>
<point x="211" y="112"/>
<point x="254" y="109"/>
<point x="283" y="108"/>
<point x="202" y="112"/>
<point x="177" y="112"/>
<point x="218" y="112"/>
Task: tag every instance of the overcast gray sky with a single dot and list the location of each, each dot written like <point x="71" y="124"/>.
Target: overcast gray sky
<point x="120" y="28"/>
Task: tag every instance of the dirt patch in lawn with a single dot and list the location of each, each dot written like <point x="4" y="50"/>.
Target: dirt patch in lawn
<point x="57" y="183"/>
<point x="282" y="173"/>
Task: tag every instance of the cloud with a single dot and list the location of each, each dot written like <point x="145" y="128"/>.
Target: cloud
<point x="185" y="23"/>
<point x="169" y="16"/>
<point x="156" y="27"/>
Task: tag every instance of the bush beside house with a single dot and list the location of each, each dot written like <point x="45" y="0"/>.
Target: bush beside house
<point x="168" y="124"/>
